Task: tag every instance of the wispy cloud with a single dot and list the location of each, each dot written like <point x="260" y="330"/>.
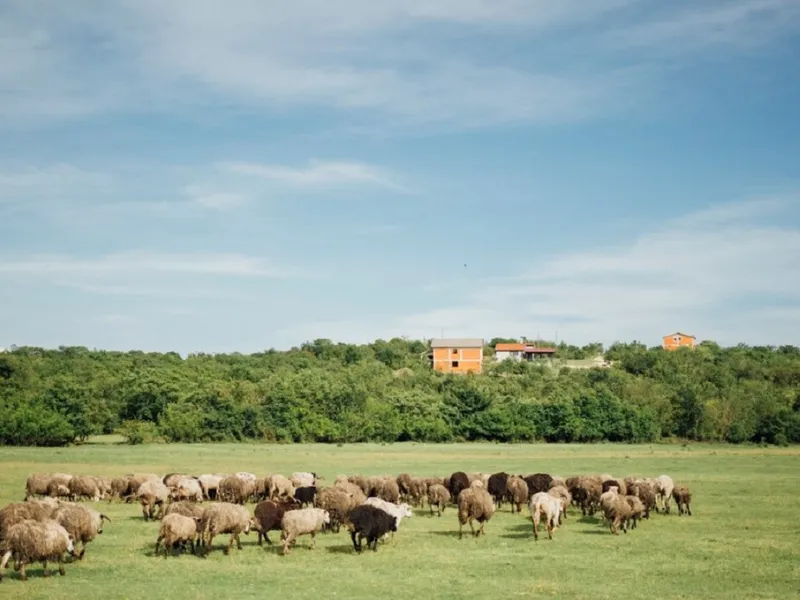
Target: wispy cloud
<point x="215" y="200"/>
<point x="61" y="178"/>
<point x="395" y="61"/>
<point x="316" y="174"/>
<point x="681" y="276"/>
<point x="147" y="262"/>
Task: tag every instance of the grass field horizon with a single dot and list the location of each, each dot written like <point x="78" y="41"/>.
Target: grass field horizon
<point x="741" y="542"/>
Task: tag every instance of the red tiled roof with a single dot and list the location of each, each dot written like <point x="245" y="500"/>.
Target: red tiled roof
<point x="509" y="347"/>
<point x="537" y="350"/>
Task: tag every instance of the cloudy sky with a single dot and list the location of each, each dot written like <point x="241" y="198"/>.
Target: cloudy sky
<point x="234" y="176"/>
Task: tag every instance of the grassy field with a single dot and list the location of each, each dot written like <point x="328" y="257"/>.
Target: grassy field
<point x="742" y="541"/>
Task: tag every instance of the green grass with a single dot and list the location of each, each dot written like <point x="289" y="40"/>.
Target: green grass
<point x="741" y="542"/>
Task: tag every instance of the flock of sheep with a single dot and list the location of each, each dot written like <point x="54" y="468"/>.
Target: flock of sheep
<point x="192" y="510"/>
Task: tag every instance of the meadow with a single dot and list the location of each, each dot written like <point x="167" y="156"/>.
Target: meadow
<point x="741" y="542"/>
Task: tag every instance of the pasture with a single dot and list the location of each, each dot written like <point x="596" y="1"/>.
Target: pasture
<point x="743" y="540"/>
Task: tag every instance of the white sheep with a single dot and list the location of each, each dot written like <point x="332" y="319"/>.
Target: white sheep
<point x="665" y="487"/>
<point x="548" y="506"/>
<point x="303" y="521"/>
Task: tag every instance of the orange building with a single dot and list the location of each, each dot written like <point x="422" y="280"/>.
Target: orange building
<point x="674" y="341"/>
<point x="457" y="355"/>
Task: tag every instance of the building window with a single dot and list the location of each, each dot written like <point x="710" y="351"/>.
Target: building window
<point x="454" y="364"/>
<point x="455" y="351"/>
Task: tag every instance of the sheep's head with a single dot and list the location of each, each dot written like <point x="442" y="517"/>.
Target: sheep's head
<point x="406" y="511"/>
<point x="326" y="517"/>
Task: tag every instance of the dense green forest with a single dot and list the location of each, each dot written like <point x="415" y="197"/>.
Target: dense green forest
<point x="386" y="391"/>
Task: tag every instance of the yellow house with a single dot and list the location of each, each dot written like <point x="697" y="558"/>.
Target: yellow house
<point x="460" y="355"/>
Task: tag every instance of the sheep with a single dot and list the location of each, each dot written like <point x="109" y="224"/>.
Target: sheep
<point x="370" y="522"/>
<point x="438" y="496"/>
<point x="152" y="494"/>
<point x="210" y="485"/>
<point x="607" y="500"/>
<point x="404" y="485"/>
<point x="338" y="501"/>
<point x="458" y="481"/>
<point x="683" y="497"/>
<point x="246" y="477"/>
<point x="38" y="484"/>
<point x="497" y="486"/>
<point x="36" y="541"/>
<point x="617" y="512"/>
<point x="185" y="508"/>
<point x="562" y="493"/>
<point x="517" y="492"/>
<point x="235" y="490"/>
<point x="261" y="492"/>
<point x="417" y="490"/>
<point x="398" y="511"/>
<point x="538" y="482"/>
<point x="637" y="509"/>
<point x="644" y="492"/>
<point x="474" y="504"/>
<point x="82" y="523"/>
<point x="58" y="490"/>
<point x="609" y="483"/>
<point x="224" y="517"/>
<point x="544" y="504"/>
<point x="303" y="479"/>
<point x="279" y="487"/>
<point x="120" y="488"/>
<point x="17" y="512"/>
<point x="665" y="487"/>
<point x="557" y="481"/>
<point x="389" y="491"/>
<point x="268" y="516"/>
<point x="361" y="482"/>
<point x="175" y="529"/>
<point x="301" y="522"/>
<point x="186" y="488"/>
<point x="587" y="492"/>
<point x="305" y="495"/>
<point x="83" y="486"/>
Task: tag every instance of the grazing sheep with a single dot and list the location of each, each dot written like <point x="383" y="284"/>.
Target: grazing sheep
<point x="176" y="529"/>
<point x="224" y="517"/>
<point x="458" y="481"/>
<point x="644" y="492"/>
<point x="474" y="504"/>
<point x="389" y="491"/>
<point x="338" y="501"/>
<point x="417" y="490"/>
<point x="36" y="541"/>
<point x="516" y="492"/>
<point x="303" y="521"/>
<point x="38" y="484"/>
<point x="617" y="512"/>
<point x="120" y="488"/>
<point x="562" y="493"/>
<point x="637" y="509"/>
<point x="268" y="516"/>
<point x="398" y="511"/>
<point x="186" y="488"/>
<point x="438" y="496"/>
<point x="404" y="485"/>
<point x="587" y="493"/>
<point x="84" y="486"/>
<point x="305" y="495"/>
<point x="497" y="487"/>
<point x="185" y="508"/>
<point x="210" y="484"/>
<point x="371" y="522"/>
<point x="361" y="482"/>
<point x="279" y="487"/>
<point x="235" y="490"/>
<point x="261" y="492"/>
<point x="544" y="504"/>
<point x="609" y="483"/>
<point x="17" y="512"/>
<point x="246" y="477"/>
<point x="538" y="482"/>
<point x="152" y="495"/>
<point x="683" y="498"/>
<point x="58" y="490"/>
<point x="82" y="523"/>
<point x="665" y="487"/>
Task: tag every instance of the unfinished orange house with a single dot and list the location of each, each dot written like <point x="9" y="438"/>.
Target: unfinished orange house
<point x="462" y="355"/>
<point x="677" y="340"/>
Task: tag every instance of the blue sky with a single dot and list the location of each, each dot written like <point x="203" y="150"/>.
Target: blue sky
<point x="234" y="176"/>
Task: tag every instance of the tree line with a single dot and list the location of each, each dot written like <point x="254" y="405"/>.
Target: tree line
<point x="386" y="391"/>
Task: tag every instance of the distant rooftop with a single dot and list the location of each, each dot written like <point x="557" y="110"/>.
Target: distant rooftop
<point x="457" y="343"/>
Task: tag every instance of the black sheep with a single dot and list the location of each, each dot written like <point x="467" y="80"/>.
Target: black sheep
<point x="497" y="487"/>
<point x="305" y="495"/>
<point x="538" y="482"/>
<point x="609" y="483"/>
<point x="458" y="482"/>
<point x="369" y="522"/>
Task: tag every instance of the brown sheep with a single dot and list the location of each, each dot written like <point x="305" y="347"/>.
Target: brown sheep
<point x="185" y="508"/>
<point x="152" y="495"/>
<point x="224" y="517"/>
<point x="404" y="485"/>
<point x="175" y="529"/>
<point x="644" y="492"/>
<point x="235" y="490"/>
<point x="339" y="502"/>
<point x="82" y="523"/>
<point x="474" y="504"/>
<point x="683" y="499"/>
<point x="36" y="541"/>
<point x="516" y="492"/>
<point x="637" y="509"/>
<point x="38" y="484"/>
<point x="438" y="496"/>
<point x="268" y="515"/>
<point x="618" y="512"/>
<point x="17" y="512"/>
<point x="562" y="493"/>
<point x="389" y="491"/>
<point x="280" y="488"/>
<point x="417" y="490"/>
<point x="83" y="486"/>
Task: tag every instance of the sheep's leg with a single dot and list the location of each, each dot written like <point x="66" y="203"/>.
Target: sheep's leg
<point x="230" y="543"/>
<point x="22" y="574"/>
<point x="45" y="572"/>
<point x="83" y="551"/>
<point x="535" y="533"/>
<point x="61" y="570"/>
<point x="460" y="528"/>
<point x="688" y="509"/>
<point x="158" y="543"/>
<point x="238" y="541"/>
<point x="472" y="527"/>
<point x="313" y="540"/>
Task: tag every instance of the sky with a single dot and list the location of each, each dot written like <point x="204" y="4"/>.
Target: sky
<point x="252" y="174"/>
